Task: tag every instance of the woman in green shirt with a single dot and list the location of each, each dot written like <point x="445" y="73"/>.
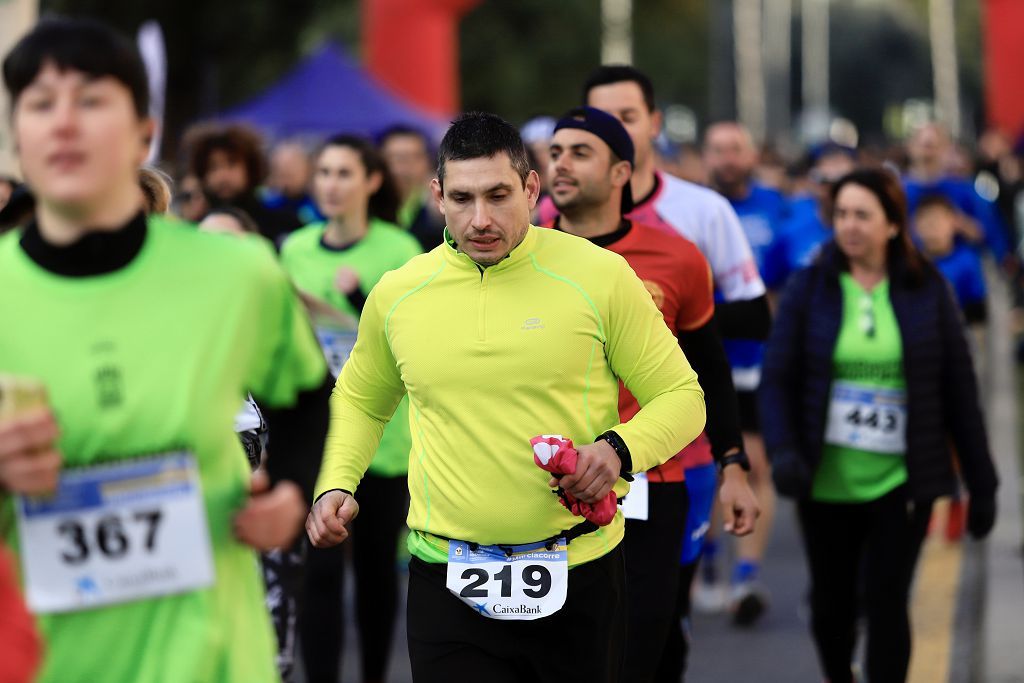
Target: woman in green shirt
<point x="867" y="382"/>
<point x="337" y="262"/>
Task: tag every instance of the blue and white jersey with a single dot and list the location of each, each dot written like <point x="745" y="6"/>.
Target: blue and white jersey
<point x="762" y="214"/>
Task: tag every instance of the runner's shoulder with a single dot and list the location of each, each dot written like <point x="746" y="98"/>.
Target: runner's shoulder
<point x="306" y="237"/>
<point x="385" y="231"/>
<point x="224" y="257"/>
<point x="674" y="244"/>
<point x="414" y="273"/>
<point x="572" y="253"/>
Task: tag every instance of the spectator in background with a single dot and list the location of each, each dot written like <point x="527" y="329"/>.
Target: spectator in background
<point x="682" y="160"/>
<point x="930" y="150"/>
<point x="537" y="134"/>
<point x="810" y="222"/>
<point x="935" y="228"/>
<point x="407" y="153"/>
<point x="287" y="186"/>
<point x="771" y="169"/>
<point x="228" y="161"/>
<point x="731" y="159"/>
<point x="999" y="175"/>
<point x="189" y="201"/>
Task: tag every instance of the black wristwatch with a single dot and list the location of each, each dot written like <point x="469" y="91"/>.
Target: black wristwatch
<point x="621" y="450"/>
<point x="737" y="458"/>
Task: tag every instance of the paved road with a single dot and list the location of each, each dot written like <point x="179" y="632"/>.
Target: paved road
<point x="779" y="647"/>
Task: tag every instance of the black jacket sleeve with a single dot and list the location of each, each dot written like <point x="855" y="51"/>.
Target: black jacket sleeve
<point x="744" y="319"/>
<point x="961" y="402"/>
<point x="296" y="437"/>
<point x="779" y="392"/>
<point x="703" y="348"/>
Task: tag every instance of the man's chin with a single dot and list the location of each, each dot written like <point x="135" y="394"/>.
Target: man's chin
<point x="488" y="260"/>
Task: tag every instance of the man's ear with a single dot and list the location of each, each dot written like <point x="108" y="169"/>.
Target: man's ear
<point x="532" y="188"/>
<point x="438" y="194"/>
<point x="374" y="181"/>
<point x="656" y="122"/>
<point x="621" y="173"/>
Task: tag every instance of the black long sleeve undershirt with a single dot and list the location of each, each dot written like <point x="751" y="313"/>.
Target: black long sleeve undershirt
<point x="976" y="313"/>
<point x="296" y="437"/>
<point x="703" y="348"/>
<point x="357" y="299"/>
<point x="744" y="319"/>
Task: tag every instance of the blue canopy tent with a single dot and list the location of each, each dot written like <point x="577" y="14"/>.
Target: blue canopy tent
<point x="329" y="93"/>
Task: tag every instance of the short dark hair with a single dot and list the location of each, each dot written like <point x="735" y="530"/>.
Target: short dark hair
<point x="84" y="45"/>
<point x="384" y="202"/>
<point x="901" y="255"/>
<point x="476" y="135"/>
<point x="236" y="141"/>
<point x="402" y="129"/>
<point x="620" y="73"/>
<point x="935" y="201"/>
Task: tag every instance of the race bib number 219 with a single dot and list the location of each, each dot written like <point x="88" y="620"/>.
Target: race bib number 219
<point x="513" y="583"/>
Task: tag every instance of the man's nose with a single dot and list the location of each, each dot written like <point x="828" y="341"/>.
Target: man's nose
<point x="481" y="215"/>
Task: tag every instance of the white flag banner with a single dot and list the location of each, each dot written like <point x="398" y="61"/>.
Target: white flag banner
<point x="154" y="53"/>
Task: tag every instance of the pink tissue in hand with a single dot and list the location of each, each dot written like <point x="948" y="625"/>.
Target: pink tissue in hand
<point x="557" y="455"/>
<point x="554" y="454"/>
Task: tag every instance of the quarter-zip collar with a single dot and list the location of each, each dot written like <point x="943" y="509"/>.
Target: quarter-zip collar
<point x="519" y="254"/>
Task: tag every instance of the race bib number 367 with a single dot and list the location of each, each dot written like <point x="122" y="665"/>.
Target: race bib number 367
<point x="514" y="583"/>
<point x="115" y="533"/>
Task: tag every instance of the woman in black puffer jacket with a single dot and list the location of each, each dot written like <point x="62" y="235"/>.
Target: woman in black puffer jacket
<point x="867" y="382"/>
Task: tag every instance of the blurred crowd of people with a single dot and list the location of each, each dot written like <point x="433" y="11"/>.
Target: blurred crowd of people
<point x="866" y="357"/>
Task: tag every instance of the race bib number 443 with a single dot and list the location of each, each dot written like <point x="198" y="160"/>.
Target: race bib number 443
<point x="522" y="582"/>
<point x="867" y="418"/>
<point x="115" y="533"/>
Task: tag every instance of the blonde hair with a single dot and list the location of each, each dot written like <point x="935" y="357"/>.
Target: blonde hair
<point x="156" y="189"/>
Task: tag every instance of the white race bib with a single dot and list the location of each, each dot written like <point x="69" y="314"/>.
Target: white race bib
<point x="522" y="582"/>
<point x="337" y="346"/>
<point x="867" y="418"/>
<point x="115" y="533"/>
<point x="635" y="504"/>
